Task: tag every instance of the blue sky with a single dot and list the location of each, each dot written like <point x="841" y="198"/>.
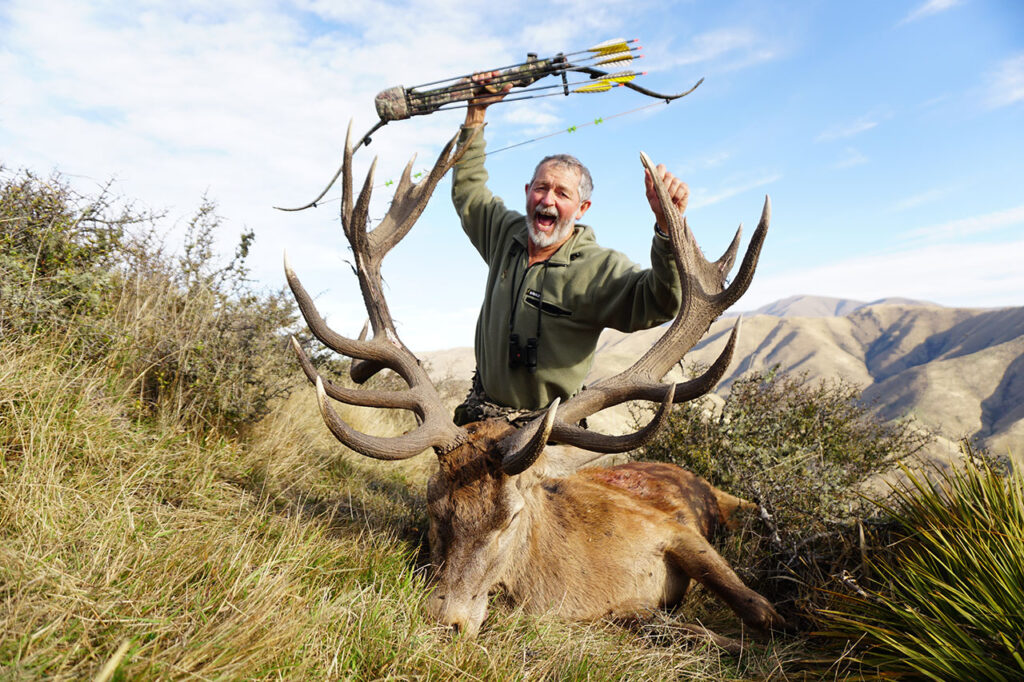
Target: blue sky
<point x="890" y="135"/>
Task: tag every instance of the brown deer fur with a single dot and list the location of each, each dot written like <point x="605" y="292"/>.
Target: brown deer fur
<point x="604" y="542"/>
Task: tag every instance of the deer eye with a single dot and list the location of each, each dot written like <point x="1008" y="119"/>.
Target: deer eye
<point x="512" y="519"/>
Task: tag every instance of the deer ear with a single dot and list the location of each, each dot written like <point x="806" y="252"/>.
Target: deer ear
<point x="521" y="448"/>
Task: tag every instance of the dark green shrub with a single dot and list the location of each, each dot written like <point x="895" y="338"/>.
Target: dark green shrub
<point x="802" y="451"/>
<point x="187" y="334"/>
<point x="798" y="448"/>
<point x="58" y="250"/>
<point x="948" y="601"/>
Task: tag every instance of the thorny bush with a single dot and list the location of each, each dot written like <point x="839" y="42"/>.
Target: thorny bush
<point x="802" y="450"/>
<point x="187" y="335"/>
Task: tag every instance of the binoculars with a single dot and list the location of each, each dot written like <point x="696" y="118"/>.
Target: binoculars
<point x="519" y="355"/>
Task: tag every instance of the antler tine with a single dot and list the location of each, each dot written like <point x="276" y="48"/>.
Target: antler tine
<point x="346" y="181"/>
<point x="433" y="433"/>
<point x="362" y="397"/>
<point x="355" y="225"/>
<point x="599" y="442"/>
<point x="522" y="447"/>
<point x="409" y="200"/>
<point x="746" y="272"/>
<point x="360" y="371"/>
<point x="724" y="264"/>
<point x="329" y="337"/>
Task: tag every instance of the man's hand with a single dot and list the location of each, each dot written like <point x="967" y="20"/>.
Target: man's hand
<point x="677" y="190"/>
<point x="485" y="93"/>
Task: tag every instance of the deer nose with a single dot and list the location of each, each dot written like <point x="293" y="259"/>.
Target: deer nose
<point x="456" y="621"/>
<point x="454" y="614"/>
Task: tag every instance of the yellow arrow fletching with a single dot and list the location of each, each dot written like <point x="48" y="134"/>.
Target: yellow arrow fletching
<point x="597" y="86"/>
<point x="610" y="46"/>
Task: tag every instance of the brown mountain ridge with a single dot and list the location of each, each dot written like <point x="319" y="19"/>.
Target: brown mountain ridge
<point x="958" y="371"/>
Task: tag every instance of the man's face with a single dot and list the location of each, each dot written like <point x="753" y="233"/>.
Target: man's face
<point x="553" y="205"/>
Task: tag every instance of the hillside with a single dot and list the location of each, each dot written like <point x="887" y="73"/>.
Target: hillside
<point x="818" y="306"/>
<point x="959" y="371"/>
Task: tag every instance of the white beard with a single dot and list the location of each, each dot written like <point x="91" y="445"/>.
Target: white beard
<point x="543" y="240"/>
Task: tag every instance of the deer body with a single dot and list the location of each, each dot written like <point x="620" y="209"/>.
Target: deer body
<point x="602" y="542"/>
<point x="612" y="542"/>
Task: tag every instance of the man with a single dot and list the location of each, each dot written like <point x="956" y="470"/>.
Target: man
<point x="551" y="289"/>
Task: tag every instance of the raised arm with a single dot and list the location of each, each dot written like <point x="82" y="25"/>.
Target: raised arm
<point x="482" y="215"/>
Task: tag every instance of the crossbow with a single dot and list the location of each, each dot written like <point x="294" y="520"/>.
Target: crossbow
<point x="399" y="103"/>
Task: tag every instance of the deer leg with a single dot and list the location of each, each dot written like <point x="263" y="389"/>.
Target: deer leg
<point x="693" y="555"/>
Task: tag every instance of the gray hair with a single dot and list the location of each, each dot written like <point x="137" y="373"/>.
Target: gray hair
<point x="572" y="163"/>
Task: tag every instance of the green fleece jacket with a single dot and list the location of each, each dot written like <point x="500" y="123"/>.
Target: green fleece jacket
<point x="564" y="302"/>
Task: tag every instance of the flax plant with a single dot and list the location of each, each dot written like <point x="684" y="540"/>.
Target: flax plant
<point x="950" y="597"/>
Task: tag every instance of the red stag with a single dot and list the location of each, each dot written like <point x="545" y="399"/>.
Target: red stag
<point x="601" y="542"/>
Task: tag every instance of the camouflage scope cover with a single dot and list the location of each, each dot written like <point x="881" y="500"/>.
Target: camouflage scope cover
<point x="397" y="103"/>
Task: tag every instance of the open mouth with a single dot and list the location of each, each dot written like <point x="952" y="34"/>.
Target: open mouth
<point x="544" y="219"/>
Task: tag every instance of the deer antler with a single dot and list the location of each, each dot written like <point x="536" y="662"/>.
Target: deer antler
<point x="704" y="299"/>
<point x="385" y="349"/>
<point x="369" y="248"/>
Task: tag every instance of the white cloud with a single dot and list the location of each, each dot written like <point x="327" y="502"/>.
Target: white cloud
<point x="539" y="117"/>
<point x="922" y="198"/>
<point x="929" y="8"/>
<point x="851" y="157"/>
<point x="711" y="160"/>
<point x="703" y="197"/>
<point x="972" y="275"/>
<point x="989" y="222"/>
<point x="1006" y="83"/>
<point x="843" y="130"/>
<point x="727" y="49"/>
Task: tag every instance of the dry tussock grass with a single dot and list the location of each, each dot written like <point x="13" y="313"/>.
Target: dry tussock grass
<point x="144" y="547"/>
<point x="174" y="555"/>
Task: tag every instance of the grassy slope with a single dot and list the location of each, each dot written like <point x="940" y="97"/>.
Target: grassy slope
<point x="265" y="557"/>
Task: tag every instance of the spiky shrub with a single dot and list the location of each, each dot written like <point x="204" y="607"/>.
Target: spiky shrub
<point x="203" y="342"/>
<point x="948" y="601"/>
<point x="184" y="332"/>
<point x="802" y="450"/>
<point x="57" y="252"/>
